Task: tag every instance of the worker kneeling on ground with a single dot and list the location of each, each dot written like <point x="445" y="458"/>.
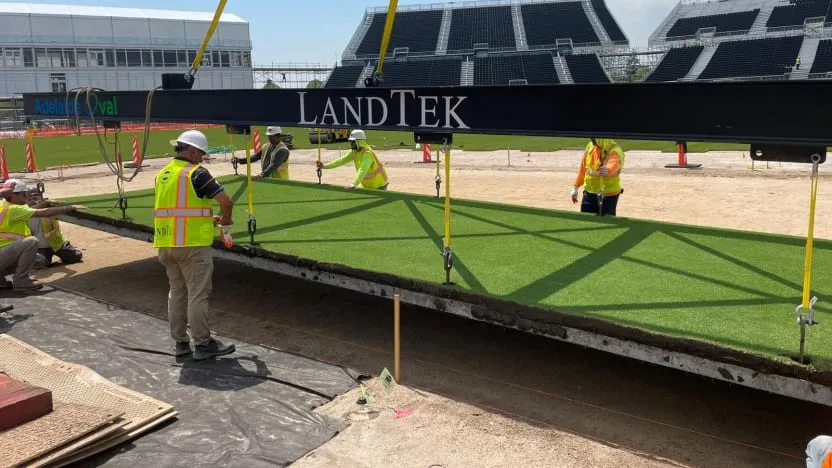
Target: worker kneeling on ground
<point x="274" y="156"/>
<point x="370" y="172"/>
<point x="17" y="245"/>
<point x="51" y="240"/>
<point x="599" y="173"/>
<point x="183" y="224"/>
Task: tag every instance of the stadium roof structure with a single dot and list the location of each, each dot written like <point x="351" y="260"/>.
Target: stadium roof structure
<point x="113" y="12"/>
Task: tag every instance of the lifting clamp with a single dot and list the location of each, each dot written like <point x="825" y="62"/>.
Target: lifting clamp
<point x="803" y="321"/>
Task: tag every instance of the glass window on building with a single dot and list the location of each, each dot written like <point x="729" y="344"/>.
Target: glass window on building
<point x="236" y="59"/>
<point x="170" y="58"/>
<point x="111" y="57"/>
<point x="158" y="59"/>
<point x="182" y="58"/>
<point x="81" y="56"/>
<point x="69" y="58"/>
<point x="191" y="57"/>
<point x="147" y="58"/>
<point x="134" y="58"/>
<point x="28" y="57"/>
<point x="14" y="58"/>
<point x="224" y="59"/>
<point x="247" y="59"/>
<point x="206" y="59"/>
<point x="55" y="58"/>
<point x="215" y="55"/>
<point x="40" y="55"/>
<point x="97" y="58"/>
<point x="121" y="58"/>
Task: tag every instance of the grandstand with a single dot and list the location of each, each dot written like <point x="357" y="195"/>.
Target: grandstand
<point x="527" y="42"/>
<point x="485" y="43"/>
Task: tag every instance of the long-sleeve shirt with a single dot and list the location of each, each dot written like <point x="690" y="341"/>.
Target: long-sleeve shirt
<point x="275" y="156"/>
<point x="613" y="165"/>
<point x="365" y="162"/>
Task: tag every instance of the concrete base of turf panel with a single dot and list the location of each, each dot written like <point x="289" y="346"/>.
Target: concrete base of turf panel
<point x="724" y="365"/>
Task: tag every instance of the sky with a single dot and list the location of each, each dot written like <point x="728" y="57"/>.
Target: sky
<point x="316" y="31"/>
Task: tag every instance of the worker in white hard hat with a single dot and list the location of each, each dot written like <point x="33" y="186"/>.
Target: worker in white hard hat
<point x="183" y="226"/>
<point x="274" y="155"/>
<point x="51" y="241"/>
<point x="17" y="245"/>
<point x="370" y="171"/>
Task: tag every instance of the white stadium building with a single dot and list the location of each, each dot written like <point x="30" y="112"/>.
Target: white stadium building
<point x="55" y="48"/>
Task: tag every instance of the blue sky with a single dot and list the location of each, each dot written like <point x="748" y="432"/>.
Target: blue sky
<point x="316" y="31"/>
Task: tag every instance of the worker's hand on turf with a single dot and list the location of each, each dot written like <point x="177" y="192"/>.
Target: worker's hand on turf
<point x="574" y="195"/>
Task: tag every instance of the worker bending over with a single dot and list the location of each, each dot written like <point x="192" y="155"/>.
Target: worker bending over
<point x="17" y="245"/>
<point x="600" y="171"/>
<point x="51" y="240"/>
<point x="183" y="225"/>
<point x="274" y="155"/>
<point x="370" y="172"/>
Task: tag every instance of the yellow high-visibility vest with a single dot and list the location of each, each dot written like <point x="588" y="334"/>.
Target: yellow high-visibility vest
<point x="376" y="177"/>
<point x="282" y="171"/>
<point x="180" y="218"/>
<point x="9" y="231"/>
<point x="592" y="183"/>
<point x="52" y="233"/>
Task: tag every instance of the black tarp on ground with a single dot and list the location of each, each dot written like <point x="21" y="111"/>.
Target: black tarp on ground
<point x="252" y="408"/>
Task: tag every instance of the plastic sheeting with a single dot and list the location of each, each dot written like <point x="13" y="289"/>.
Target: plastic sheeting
<point x="249" y="409"/>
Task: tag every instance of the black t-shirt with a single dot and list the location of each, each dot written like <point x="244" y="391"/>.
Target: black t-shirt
<point x="204" y="183"/>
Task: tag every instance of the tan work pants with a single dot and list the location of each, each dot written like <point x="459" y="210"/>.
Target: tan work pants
<point x="190" y="271"/>
<point x="18" y="258"/>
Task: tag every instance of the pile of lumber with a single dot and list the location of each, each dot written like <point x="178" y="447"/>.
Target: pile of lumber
<point x="56" y="413"/>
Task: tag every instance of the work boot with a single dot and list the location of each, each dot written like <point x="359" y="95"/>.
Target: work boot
<point x="211" y="349"/>
<point x="5" y="308"/>
<point x="183" y="348"/>
<point x="30" y="285"/>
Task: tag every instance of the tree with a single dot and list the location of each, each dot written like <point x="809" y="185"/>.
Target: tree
<point x="314" y="84"/>
<point x="270" y="85"/>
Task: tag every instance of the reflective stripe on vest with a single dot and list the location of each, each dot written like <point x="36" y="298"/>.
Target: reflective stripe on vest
<point x="282" y="171"/>
<point x="592" y="184"/>
<point x="379" y="170"/>
<point x="7" y="233"/>
<point x="181" y="213"/>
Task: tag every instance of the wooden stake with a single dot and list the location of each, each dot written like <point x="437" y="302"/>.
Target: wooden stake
<point x="396" y="337"/>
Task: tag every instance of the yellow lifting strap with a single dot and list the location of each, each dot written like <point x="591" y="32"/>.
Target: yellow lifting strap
<point x="807" y="266"/>
<point x="388" y="31"/>
<point x="250" y="188"/>
<point x="213" y="27"/>
<point x="447" y="197"/>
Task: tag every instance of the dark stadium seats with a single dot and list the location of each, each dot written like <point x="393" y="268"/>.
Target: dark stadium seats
<point x="344" y="77"/>
<point x="607" y="21"/>
<point x="470" y="26"/>
<point x="675" y="64"/>
<point x="499" y="70"/>
<point x="759" y="57"/>
<point x="418" y="30"/>
<point x="436" y="72"/>
<point x="546" y="22"/>
<point x="796" y="13"/>
<point x="823" y="58"/>
<point x="740" y="21"/>
<point x="586" y="69"/>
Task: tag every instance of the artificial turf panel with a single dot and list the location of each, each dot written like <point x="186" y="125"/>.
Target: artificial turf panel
<point x="732" y="288"/>
<point x="74" y="150"/>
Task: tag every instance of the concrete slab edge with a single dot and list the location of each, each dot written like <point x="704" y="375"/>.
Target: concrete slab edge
<point x="739" y="375"/>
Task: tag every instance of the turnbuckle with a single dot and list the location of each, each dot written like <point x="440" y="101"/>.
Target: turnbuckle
<point x="320" y="174"/>
<point x="252" y="228"/>
<point x="448" y="260"/>
<point x="809" y="318"/>
<point x="438" y="185"/>
<point x="234" y="163"/>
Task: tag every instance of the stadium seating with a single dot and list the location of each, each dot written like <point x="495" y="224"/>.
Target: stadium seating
<point x="759" y="57"/>
<point x="739" y="21"/>
<point x="675" y="64"/>
<point x="470" y="26"/>
<point x="607" y="21"/>
<point x="546" y="22"/>
<point x="418" y="30"/>
<point x="420" y="72"/>
<point x="344" y="77"/>
<point x="499" y="70"/>
<point x="586" y="69"/>
<point x="823" y="58"/>
<point x="796" y="13"/>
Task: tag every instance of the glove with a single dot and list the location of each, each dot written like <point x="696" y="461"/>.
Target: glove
<point x="319" y="164"/>
<point x="574" y="195"/>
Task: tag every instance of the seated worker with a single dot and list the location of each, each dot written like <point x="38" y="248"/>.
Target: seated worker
<point x="17" y="245"/>
<point x="601" y="166"/>
<point x="50" y="239"/>
<point x="370" y="172"/>
<point x="274" y="155"/>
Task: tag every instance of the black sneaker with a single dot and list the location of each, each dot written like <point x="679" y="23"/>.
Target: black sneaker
<point x="211" y="349"/>
<point x="183" y="348"/>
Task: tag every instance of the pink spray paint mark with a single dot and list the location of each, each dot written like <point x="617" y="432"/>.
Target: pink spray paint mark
<point x="403" y="414"/>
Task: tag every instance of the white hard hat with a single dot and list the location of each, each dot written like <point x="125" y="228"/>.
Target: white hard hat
<point x="357" y="135"/>
<point x="273" y="131"/>
<point x="16" y="185"/>
<point x="193" y="138"/>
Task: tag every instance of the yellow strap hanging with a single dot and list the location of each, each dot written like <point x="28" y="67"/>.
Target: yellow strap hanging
<point x="388" y="31"/>
<point x="447" y="197"/>
<point x="248" y="175"/>
<point x="214" y="22"/>
<point x="807" y="266"/>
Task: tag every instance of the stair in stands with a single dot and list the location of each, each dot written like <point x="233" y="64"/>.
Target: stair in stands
<point x="444" y="32"/>
<point x="595" y="21"/>
<point x="519" y="30"/>
<point x="467" y="73"/>
<point x="702" y="62"/>
<point x="759" y="27"/>
<point x="562" y="70"/>
<point x="808" y="51"/>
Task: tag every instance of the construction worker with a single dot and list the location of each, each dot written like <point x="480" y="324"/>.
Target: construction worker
<point x="819" y="452"/>
<point x="600" y="174"/>
<point x="183" y="224"/>
<point x="17" y="245"/>
<point x="275" y="156"/>
<point x="51" y="241"/>
<point x="370" y="172"/>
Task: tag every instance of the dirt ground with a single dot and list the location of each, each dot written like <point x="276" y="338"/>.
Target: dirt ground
<point x="492" y="397"/>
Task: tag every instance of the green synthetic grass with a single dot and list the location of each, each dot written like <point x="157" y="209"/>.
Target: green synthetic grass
<point x="734" y="288"/>
<point x="60" y="150"/>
